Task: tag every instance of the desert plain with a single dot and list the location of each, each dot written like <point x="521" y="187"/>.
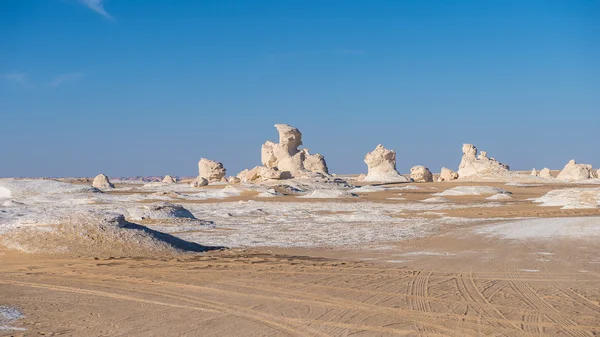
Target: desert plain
<point x="294" y="250"/>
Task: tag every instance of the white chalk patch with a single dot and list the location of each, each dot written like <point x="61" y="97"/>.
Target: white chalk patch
<point x="328" y="194"/>
<point x="436" y="200"/>
<point x="571" y="198"/>
<point x="9" y="315"/>
<point x="471" y="190"/>
<point x="427" y="254"/>
<point x="547" y="228"/>
<point x="529" y="270"/>
<point x="499" y="197"/>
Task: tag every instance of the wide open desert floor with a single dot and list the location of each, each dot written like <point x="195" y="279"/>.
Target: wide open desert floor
<point x="475" y="267"/>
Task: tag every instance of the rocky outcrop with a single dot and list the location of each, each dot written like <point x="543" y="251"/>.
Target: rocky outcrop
<point x="573" y="171"/>
<point x="421" y="174"/>
<point x="233" y="180"/>
<point x="259" y="173"/>
<point x="381" y="164"/>
<point x="284" y="160"/>
<point x="315" y="163"/>
<point x="545" y="173"/>
<point x="199" y="182"/>
<point x="169" y="180"/>
<point x="211" y="170"/>
<point x="473" y="164"/>
<point x="447" y="175"/>
<point x="101" y="181"/>
<point x="286" y="156"/>
<point x="534" y="173"/>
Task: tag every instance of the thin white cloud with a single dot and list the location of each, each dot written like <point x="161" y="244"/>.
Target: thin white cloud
<point x="64" y="78"/>
<point x="20" y="78"/>
<point x="97" y="6"/>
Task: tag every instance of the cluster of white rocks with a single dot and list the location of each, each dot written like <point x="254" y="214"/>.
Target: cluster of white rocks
<point x="286" y="159"/>
<point x="480" y="164"/>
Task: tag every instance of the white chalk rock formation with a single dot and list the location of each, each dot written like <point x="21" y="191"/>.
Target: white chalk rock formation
<point x="573" y="171"/>
<point x="534" y="173"/>
<point x="233" y="180"/>
<point x="381" y="163"/>
<point x="258" y="174"/>
<point x="169" y="180"/>
<point x="315" y="162"/>
<point x="101" y="181"/>
<point x="199" y="182"/>
<point x="421" y="174"/>
<point x="286" y="156"/>
<point x="447" y="175"/>
<point x="545" y="173"/>
<point x="211" y="170"/>
<point x="481" y="165"/>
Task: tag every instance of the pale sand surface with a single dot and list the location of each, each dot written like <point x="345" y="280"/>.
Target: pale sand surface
<point x="483" y="277"/>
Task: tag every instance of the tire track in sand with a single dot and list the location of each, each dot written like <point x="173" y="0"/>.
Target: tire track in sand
<point x="529" y="296"/>
<point x="217" y="308"/>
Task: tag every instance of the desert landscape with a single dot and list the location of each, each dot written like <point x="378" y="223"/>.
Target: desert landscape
<point x="290" y="248"/>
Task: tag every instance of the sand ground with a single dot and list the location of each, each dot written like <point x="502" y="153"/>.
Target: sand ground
<point x="454" y="282"/>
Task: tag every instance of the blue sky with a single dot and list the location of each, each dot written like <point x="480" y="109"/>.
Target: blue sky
<point x="149" y="87"/>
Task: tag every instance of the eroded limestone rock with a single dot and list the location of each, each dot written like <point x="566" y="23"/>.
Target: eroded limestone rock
<point x="479" y="165"/>
<point x="315" y="162"/>
<point x="421" y="174"/>
<point x="199" y="182"/>
<point x="211" y="170"/>
<point x="573" y="171"/>
<point x="169" y="180"/>
<point x="447" y="175"/>
<point x="286" y="156"/>
<point x="101" y="181"/>
<point x="545" y="173"/>
<point x="381" y="164"/>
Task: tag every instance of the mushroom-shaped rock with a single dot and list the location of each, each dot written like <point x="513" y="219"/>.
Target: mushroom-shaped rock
<point x="211" y="170"/>
<point x="169" y="180"/>
<point x="381" y="164"/>
<point x="101" y="181"/>
<point x="286" y="156"/>
<point x="545" y="173"/>
<point x="479" y="165"/>
<point x="447" y="175"/>
<point x="573" y="171"/>
<point x="199" y="182"/>
<point x="421" y="174"/>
